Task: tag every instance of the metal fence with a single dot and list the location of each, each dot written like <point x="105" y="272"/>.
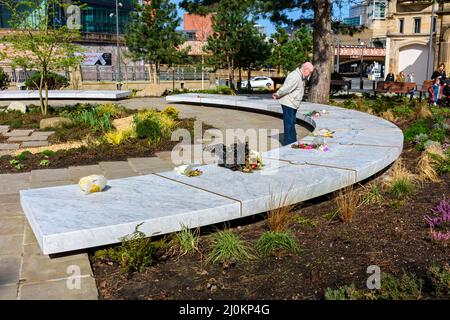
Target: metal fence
<point x="140" y="73"/>
<point x="20" y="76"/>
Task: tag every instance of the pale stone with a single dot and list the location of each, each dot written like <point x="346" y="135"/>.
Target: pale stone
<point x="56" y="122"/>
<point x="123" y="123"/>
<point x="17" y="106"/>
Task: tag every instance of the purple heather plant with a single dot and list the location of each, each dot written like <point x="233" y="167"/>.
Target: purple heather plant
<point x="440" y="220"/>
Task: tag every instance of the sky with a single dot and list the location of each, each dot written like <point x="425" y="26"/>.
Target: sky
<point x="270" y="27"/>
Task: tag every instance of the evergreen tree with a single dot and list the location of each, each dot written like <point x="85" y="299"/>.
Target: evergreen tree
<point x="152" y="36"/>
<point x="230" y="24"/>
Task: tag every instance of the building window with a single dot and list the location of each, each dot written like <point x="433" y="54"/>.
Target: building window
<point x="402" y="25"/>
<point x="417" y="25"/>
<point x="377" y="9"/>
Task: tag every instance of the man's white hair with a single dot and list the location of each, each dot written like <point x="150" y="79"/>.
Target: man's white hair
<point x="307" y="65"/>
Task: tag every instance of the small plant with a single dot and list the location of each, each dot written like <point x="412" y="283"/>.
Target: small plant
<point x="418" y="127"/>
<point x="440" y="279"/>
<point x="16" y="164"/>
<point x="305" y="221"/>
<point x="4" y="80"/>
<point x="172" y="112"/>
<point x="135" y="253"/>
<point x="186" y="241"/>
<point x="48" y="153"/>
<point x="428" y="163"/>
<point x="342" y="293"/>
<point x="389" y="116"/>
<point x="401" y="182"/>
<point x="440" y="222"/>
<point x="119" y="136"/>
<point x="148" y="125"/>
<point x="16" y="123"/>
<point x="109" y="109"/>
<point x="408" y="287"/>
<point x="274" y="241"/>
<point x="44" y="163"/>
<point x="347" y="201"/>
<point x="371" y="194"/>
<point x="23" y="156"/>
<point x="279" y="218"/>
<point x="226" y="247"/>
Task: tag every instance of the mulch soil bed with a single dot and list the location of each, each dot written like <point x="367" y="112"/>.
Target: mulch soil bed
<point x="392" y="235"/>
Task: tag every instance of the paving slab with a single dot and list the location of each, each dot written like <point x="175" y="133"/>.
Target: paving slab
<point x="78" y="172"/>
<point x="115" y="165"/>
<point x="35" y="144"/>
<point x="9" y="146"/>
<point x="38" y="267"/>
<point x="45" y="175"/>
<point x="3" y="129"/>
<point x="140" y="164"/>
<point x="4" y="153"/>
<point x="42" y="133"/>
<point x="8" y="292"/>
<point x="65" y="289"/>
<point x="11" y="244"/>
<point x="27" y="138"/>
<point x="10" y="210"/>
<point x="18" y="133"/>
<point x="117" y="174"/>
<point x="46" y="184"/>
<point x="12" y="226"/>
<point x="104" y="218"/>
<point x="29" y="237"/>
<point x="9" y="269"/>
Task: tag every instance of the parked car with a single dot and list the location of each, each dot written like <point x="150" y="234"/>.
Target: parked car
<point x="258" y="82"/>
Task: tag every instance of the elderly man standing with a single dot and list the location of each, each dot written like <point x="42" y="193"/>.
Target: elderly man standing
<point x="290" y="95"/>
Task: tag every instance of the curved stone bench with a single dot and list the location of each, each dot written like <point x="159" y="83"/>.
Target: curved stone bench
<point x="64" y="219"/>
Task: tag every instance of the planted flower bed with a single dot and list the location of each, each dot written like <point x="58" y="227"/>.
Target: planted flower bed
<point x="93" y="133"/>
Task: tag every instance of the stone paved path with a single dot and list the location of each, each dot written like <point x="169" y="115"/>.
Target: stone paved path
<point x="27" y="274"/>
<point x="16" y="139"/>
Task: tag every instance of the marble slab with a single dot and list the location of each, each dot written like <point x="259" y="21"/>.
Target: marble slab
<point x="66" y="94"/>
<point x="277" y="184"/>
<point x="65" y="219"/>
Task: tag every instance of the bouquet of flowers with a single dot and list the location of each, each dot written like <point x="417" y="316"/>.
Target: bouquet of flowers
<point x="326" y="133"/>
<point x="253" y="162"/>
<point x="311" y="146"/>
<point x="314" y="114"/>
<point x="188" y="171"/>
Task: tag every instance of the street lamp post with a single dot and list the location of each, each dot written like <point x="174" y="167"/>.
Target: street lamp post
<point x="119" y="73"/>
<point x="361" y="82"/>
<point x="430" y="44"/>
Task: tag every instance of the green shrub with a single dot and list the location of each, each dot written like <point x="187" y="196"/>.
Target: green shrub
<point x="23" y="156"/>
<point x="110" y="109"/>
<point x="440" y="280"/>
<point x="148" y="125"/>
<point x="438" y="135"/>
<point x="54" y="81"/>
<point x="47" y="153"/>
<point x="172" y="112"/>
<point x="408" y="287"/>
<point x="226" y="247"/>
<point x="135" y="253"/>
<point x="305" y="221"/>
<point x="274" y="241"/>
<point x="418" y="127"/>
<point x="4" y="80"/>
<point x="403" y="111"/>
<point x="342" y="293"/>
<point x="16" y="123"/>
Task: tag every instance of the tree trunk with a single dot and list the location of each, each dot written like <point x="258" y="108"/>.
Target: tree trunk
<point x="322" y="58"/>
<point x="232" y="74"/>
<point x="41" y="86"/>
<point x="240" y="77"/>
<point x="46" y="98"/>
<point x="249" y="73"/>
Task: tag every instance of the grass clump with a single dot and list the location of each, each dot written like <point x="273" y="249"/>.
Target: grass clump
<point x="279" y="218"/>
<point x="401" y="183"/>
<point x="275" y="241"/>
<point x="186" y="241"/>
<point x="135" y="253"/>
<point x="305" y="221"/>
<point x="371" y="194"/>
<point x="347" y="201"/>
<point x="227" y="247"/>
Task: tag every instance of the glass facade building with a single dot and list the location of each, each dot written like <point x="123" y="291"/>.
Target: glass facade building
<point x="97" y="16"/>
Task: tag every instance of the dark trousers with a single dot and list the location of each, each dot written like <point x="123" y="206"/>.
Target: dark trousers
<point x="289" y="120"/>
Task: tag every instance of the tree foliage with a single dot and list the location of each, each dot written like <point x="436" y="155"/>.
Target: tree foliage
<point x="38" y="41"/>
<point x="288" y="53"/>
<point x="152" y="36"/>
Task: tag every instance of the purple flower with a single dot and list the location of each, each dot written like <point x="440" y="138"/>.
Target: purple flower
<point x="441" y="219"/>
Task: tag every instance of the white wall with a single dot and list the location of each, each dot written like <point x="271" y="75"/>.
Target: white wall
<point x="413" y="58"/>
